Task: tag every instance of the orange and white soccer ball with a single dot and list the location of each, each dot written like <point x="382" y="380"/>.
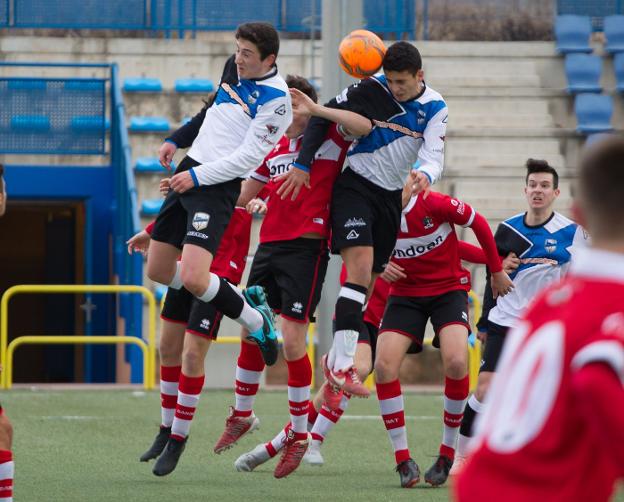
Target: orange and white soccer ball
<point x="361" y="53"/>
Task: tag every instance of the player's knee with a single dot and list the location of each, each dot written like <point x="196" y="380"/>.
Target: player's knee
<point x="363" y="370"/>
<point x="192" y="359"/>
<point x="385" y="370"/>
<point x="170" y="355"/>
<point x="157" y="273"/>
<point x="456" y="367"/>
<point x="194" y="282"/>
<point x="6" y="433"/>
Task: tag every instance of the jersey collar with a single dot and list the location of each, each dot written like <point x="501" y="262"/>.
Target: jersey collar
<point x="598" y="264"/>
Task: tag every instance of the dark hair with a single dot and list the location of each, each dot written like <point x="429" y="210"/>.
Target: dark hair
<point x="541" y="166"/>
<point x="302" y="84"/>
<point x="600" y="187"/>
<point x="263" y="35"/>
<point x="402" y="56"/>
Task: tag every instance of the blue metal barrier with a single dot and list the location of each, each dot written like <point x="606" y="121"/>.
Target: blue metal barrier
<point x="597" y="10"/>
<point x="384" y="16"/>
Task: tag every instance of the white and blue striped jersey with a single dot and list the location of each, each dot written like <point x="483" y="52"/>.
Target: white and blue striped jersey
<point x="545" y="252"/>
<point x="415" y="133"/>
<point x="243" y="125"/>
<point x="403" y="133"/>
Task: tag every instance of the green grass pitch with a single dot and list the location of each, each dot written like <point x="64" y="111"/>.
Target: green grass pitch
<point x="84" y="445"/>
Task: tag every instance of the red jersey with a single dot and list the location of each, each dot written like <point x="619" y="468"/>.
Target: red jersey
<point x="229" y="262"/>
<point x="377" y="302"/>
<point x="427" y="246"/>
<point x="537" y="439"/>
<point x="286" y="219"/>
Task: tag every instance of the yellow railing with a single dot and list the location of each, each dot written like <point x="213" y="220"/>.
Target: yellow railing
<point x="149" y="349"/>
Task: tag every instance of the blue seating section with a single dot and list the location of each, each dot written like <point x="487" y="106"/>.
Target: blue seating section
<point x="89" y="123"/>
<point x="572" y="34"/>
<point x="149" y="124"/>
<point x="149" y="165"/>
<point x="30" y="123"/>
<point x="593" y="113"/>
<point x="583" y="72"/>
<point x="142" y="84"/>
<point x="618" y="67"/>
<point x="614" y="33"/>
<point x="194" y="85"/>
<point x="150" y="207"/>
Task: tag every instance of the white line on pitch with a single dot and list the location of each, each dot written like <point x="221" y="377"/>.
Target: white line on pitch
<point x="378" y="417"/>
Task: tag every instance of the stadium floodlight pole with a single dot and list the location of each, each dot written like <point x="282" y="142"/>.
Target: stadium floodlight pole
<point x="339" y="17"/>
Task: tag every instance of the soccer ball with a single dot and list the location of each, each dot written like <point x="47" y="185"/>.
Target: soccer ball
<point x="361" y="53"/>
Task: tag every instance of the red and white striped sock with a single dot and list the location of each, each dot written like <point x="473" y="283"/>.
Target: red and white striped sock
<point x="169" y="378"/>
<point x="393" y="415"/>
<point x="248" y="373"/>
<point x="328" y="418"/>
<point x="7" y="468"/>
<point x="455" y="397"/>
<point x="312" y="415"/>
<point x="299" y="380"/>
<point x="274" y="446"/>
<point x="188" y="396"/>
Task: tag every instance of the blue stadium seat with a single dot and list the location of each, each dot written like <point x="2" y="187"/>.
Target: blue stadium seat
<point x="150" y="207"/>
<point x="194" y="85"/>
<point x="149" y="165"/>
<point x="614" y="33"/>
<point x="593" y="113"/>
<point x="149" y="124"/>
<point x="159" y="292"/>
<point x="89" y="123"/>
<point x="572" y="33"/>
<point x="185" y="120"/>
<point x="583" y="72"/>
<point x="599" y="136"/>
<point x="30" y="123"/>
<point x="618" y="68"/>
<point x="142" y="84"/>
<point x="27" y="84"/>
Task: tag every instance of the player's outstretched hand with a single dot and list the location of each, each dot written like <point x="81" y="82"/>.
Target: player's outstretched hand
<point x="420" y="183"/>
<point x="164" y="186"/>
<point x="501" y="284"/>
<point x="181" y="182"/>
<point x="511" y="263"/>
<point x="301" y="102"/>
<point x="139" y="243"/>
<point x="293" y="180"/>
<point x="393" y="272"/>
<point x="257" y="206"/>
<point x="165" y="154"/>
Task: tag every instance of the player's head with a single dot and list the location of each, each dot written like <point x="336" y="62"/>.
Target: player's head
<point x="599" y="204"/>
<point x="541" y="185"/>
<point x="402" y="66"/>
<point x="300" y="120"/>
<point x="257" y="45"/>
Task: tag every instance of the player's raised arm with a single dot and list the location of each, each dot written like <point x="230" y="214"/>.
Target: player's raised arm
<point x="431" y="153"/>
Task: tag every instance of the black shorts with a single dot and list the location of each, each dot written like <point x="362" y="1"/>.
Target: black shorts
<point x="364" y="214"/>
<point x="493" y="346"/>
<point x="292" y="274"/>
<point x="408" y="315"/>
<point x="198" y="216"/>
<point x="200" y="318"/>
<point x="368" y="334"/>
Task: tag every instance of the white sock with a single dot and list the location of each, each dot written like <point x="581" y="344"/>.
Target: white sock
<point x="176" y="281"/>
<point x="345" y="343"/>
<point x="212" y="290"/>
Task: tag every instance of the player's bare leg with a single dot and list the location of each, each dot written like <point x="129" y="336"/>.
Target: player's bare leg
<point x="7" y="467"/>
<point x="162" y="264"/>
<point x="191" y="383"/>
<point x="391" y="350"/>
<point x="170" y="349"/>
<point x="454" y="349"/>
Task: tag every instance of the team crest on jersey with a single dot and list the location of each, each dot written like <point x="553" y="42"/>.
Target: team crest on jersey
<point x="253" y="97"/>
<point x="200" y="221"/>
<point x="550" y="245"/>
<point x="427" y="222"/>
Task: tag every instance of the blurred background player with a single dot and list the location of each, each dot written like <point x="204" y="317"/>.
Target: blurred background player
<point x="290" y="265"/>
<point x="188" y="328"/>
<point x="251" y="112"/>
<point x="430" y="283"/>
<point x="543" y="241"/>
<point x="409" y="121"/>
<point x="552" y="425"/>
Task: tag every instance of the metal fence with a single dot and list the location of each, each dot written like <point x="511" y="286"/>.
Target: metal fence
<point x="181" y="16"/>
<point x="596" y="9"/>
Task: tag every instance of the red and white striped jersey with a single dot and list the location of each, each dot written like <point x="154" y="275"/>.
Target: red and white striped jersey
<point x="534" y="440"/>
<point x="287" y="219"/>
<point x="427" y="246"/>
